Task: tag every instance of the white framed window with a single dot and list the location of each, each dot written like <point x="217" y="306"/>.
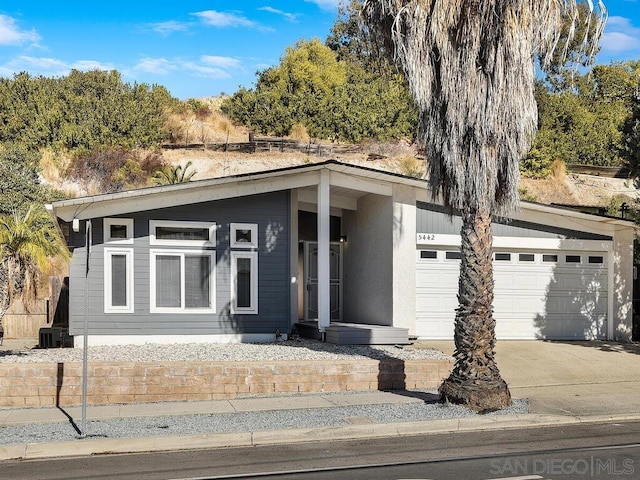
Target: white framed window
<point x="118" y="280"/>
<point x="244" y="235"/>
<point x="182" y="281"/>
<point x="572" y="259"/>
<point x="501" y="257"/>
<point x="526" y="257"/>
<point x="118" y="230"/>
<point x="429" y="255"/>
<point x="244" y="282"/>
<point x="453" y="255"/>
<point x="178" y="233"/>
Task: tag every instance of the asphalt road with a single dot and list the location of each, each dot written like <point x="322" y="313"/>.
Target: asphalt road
<point x="606" y="450"/>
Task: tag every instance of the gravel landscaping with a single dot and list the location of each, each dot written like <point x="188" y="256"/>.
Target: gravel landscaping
<point x="241" y="422"/>
<point x="299" y="349"/>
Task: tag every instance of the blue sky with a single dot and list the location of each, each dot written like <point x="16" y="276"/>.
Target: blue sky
<point x="197" y="48"/>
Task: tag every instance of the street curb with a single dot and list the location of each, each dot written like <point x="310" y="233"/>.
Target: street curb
<point x="106" y="446"/>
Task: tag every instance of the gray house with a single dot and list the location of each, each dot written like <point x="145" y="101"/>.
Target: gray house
<point x="350" y="253"/>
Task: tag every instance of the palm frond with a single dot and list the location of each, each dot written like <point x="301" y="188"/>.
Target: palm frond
<point x="470" y="67"/>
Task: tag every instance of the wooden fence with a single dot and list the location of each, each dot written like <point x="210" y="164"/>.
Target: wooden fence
<point x="24" y="322"/>
<point x="270" y="145"/>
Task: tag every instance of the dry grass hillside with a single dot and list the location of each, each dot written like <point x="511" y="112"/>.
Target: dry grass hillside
<point x="210" y="125"/>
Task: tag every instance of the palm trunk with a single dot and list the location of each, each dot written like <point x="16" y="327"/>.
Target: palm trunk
<point x="475" y="380"/>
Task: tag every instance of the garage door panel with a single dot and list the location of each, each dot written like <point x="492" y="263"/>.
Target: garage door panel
<point x="441" y="327"/>
<point x="427" y="305"/>
<point x="578" y="282"/>
<point x="512" y="305"/>
<point x="539" y="299"/>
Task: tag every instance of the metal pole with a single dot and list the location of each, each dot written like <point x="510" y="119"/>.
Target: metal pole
<point x="85" y="351"/>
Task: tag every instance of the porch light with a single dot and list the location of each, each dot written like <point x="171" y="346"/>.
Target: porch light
<point x="343" y="239"/>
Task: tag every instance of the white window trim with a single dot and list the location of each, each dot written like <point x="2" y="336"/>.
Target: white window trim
<point x="253" y="227"/>
<point x="211" y="226"/>
<point x="106" y="226"/>
<point x="253" y="256"/>
<point x="108" y="297"/>
<point x="181" y="253"/>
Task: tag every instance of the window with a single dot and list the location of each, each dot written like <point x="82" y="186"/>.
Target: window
<point x="550" y="258"/>
<point x="118" y="280"/>
<point x="453" y="255"/>
<point x="572" y="258"/>
<point x="182" y="281"/>
<point x="502" y="257"/>
<point x="526" y="257"/>
<point x="177" y="233"/>
<point x="244" y="282"/>
<point x="118" y="230"/>
<point x="596" y="259"/>
<point x="244" y="235"/>
<point x="430" y="254"/>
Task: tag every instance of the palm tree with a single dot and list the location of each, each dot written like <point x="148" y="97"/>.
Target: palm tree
<point x="29" y="243"/>
<point x="173" y="174"/>
<point x="470" y="67"/>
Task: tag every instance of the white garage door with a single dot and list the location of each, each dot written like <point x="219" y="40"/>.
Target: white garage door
<point x="537" y="294"/>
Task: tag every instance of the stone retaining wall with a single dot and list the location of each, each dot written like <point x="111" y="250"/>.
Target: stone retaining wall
<point x="47" y="384"/>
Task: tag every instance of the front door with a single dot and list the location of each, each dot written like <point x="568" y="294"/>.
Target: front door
<point x="311" y="281"/>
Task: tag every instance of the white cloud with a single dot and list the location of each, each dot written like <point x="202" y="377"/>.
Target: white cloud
<point x="224" y="19"/>
<point x="618" y="42"/>
<point x="208" y="66"/>
<point x="289" y="16"/>
<point x="326" y="4"/>
<point x="50" y="66"/>
<point x="158" y="66"/>
<point x="40" y="64"/>
<point x="168" y="27"/>
<point x="205" y="71"/>
<point x="221" y="62"/>
<point x="10" y="33"/>
<point x="620" y="36"/>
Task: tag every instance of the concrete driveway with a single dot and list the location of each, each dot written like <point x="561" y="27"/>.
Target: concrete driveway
<point x="569" y="378"/>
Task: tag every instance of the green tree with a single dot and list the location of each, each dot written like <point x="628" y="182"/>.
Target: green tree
<point x="576" y="48"/>
<point x="368" y="106"/>
<point x="82" y="110"/>
<point x="28" y="243"/>
<point x="631" y="144"/>
<point x="355" y="44"/>
<point x="292" y="92"/>
<point x="584" y="125"/>
<point x="470" y="68"/>
<point x="336" y="99"/>
<point x="19" y="181"/>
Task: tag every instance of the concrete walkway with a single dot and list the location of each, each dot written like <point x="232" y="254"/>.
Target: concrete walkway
<point x="566" y="383"/>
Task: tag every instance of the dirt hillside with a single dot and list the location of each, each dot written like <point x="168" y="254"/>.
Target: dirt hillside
<point x="569" y="189"/>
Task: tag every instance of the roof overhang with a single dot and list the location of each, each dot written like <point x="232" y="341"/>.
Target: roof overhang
<point x="347" y="182"/>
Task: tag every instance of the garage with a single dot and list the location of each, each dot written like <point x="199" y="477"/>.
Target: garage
<point x="539" y="293"/>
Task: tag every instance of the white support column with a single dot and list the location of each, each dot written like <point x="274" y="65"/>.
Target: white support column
<point x="293" y="257"/>
<point x="324" y="279"/>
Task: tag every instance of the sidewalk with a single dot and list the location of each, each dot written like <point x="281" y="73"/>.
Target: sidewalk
<point x="355" y="427"/>
<point x="565" y="383"/>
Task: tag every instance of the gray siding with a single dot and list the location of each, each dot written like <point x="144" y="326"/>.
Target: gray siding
<point x="434" y="219"/>
<point x="269" y="211"/>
